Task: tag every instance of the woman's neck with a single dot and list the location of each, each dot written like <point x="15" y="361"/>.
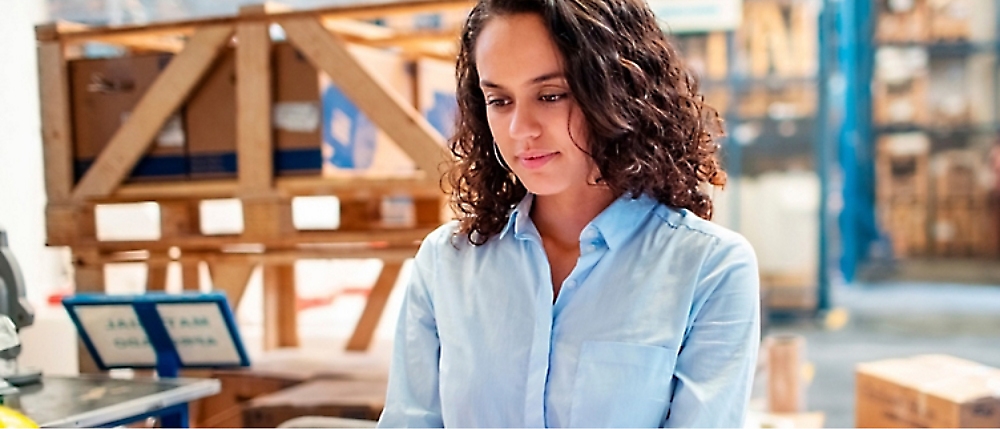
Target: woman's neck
<point x="563" y="216"/>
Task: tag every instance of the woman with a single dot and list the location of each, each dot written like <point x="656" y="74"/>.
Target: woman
<point x="581" y="286"/>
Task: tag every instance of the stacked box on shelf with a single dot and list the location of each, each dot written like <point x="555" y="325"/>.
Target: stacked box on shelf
<point x="902" y="21"/>
<point x="950" y="20"/>
<point x="105" y="91"/>
<point x="900" y="88"/>
<point x="316" y="128"/>
<point x="902" y="178"/>
<point x="963" y="214"/>
<point x="781" y="45"/>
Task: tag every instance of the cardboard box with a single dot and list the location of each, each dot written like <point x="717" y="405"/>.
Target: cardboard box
<point x="295" y="113"/>
<point x="927" y="391"/>
<point x="436" y="100"/>
<point x="316" y="128"/>
<point x="103" y="94"/>
<point x="210" y="117"/>
<point x="950" y="20"/>
<point x="353" y="399"/>
<point x="351" y="143"/>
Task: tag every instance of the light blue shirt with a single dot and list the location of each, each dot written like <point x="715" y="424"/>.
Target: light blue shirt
<point x="657" y="325"/>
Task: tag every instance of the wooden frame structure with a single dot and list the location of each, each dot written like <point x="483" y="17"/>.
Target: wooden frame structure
<point x="321" y="36"/>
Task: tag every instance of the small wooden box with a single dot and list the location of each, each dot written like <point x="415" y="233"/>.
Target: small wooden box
<point x="354" y="399"/>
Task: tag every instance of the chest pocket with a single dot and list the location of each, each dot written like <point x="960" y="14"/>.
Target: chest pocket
<point x="621" y="385"/>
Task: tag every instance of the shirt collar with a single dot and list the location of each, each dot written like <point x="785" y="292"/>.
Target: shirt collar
<point x="522" y="208"/>
<point x="614" y="225"/>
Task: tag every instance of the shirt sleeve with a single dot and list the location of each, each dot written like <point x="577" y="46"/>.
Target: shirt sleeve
<point x="716" y="363"/>
<point x="413" y="399"/>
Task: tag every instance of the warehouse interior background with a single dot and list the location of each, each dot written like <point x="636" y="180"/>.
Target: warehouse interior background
<point x="863" y="150"/>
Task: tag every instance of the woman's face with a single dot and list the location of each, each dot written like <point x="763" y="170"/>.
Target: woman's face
<point x="534" y="118"/>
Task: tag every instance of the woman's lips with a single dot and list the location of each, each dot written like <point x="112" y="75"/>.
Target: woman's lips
<point x="535" y="161"/>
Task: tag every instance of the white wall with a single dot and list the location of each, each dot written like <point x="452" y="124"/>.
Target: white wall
<point x="22" y="191"/>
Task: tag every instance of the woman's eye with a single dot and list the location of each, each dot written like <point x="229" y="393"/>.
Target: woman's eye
<point x="496" y="102"/>
<point x="552" y="97"/>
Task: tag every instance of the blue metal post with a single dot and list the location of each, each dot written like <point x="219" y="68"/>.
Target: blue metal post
<point x="857" y="218"/>
<point x="823" y="144"/>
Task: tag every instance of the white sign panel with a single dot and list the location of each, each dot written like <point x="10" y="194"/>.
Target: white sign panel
<point x="116" y="333"/>
<point x="199" y="333"/>
<point x="687" y="16"/>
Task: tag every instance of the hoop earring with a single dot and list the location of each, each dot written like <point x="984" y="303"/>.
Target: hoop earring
<point x="496" y="153"/>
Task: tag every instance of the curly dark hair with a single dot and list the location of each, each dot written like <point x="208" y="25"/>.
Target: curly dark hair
<point x="650" y="131"/>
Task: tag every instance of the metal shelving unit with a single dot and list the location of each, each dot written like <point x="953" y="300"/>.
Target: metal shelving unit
<point x="862" y="240"/>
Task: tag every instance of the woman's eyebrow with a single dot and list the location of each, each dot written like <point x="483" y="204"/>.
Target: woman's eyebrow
<point x="540" y="79"/>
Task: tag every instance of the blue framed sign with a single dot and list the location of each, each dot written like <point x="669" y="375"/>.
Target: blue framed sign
<point x="157" y="330"/>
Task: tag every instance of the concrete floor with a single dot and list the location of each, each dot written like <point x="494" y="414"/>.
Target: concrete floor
<point x="889" y="320"/>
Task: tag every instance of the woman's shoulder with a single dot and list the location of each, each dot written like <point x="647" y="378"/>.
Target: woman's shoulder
<point x="445" y="239"/>
<point x="711" y="234"/>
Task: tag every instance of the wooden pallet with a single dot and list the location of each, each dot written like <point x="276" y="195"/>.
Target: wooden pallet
<point x="902" y="26"/>
<point x="902" y="168"/>
<point x="269" y="238"/>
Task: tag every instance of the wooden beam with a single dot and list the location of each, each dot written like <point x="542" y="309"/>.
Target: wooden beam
<point x="69" y="224"/>
<point x="356" y="11"/>
<point x="57" y="143"/>
<point x="353" y="29"/>
<point x="231" y="277"/>
<point x="190" y="278"/>
<point x="280" y="256"/>
<point x="88" y="276"/>
<point x="401" y="237"/>
<point x="175" y="28"/>
<point x="53" y="31"/>
<point x="156" y="275"/>
<point x="253" y="109"/>
<point x="377" y="298"/>
<point x="148" y="42"/>
<point x="131" y="141"/>
<point x="384" y="106"/>
<point x="344" y="187"/>
<point x="280" y="324"/>
<point x="376" y="10"/>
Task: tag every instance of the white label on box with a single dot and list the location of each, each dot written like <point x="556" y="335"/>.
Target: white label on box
<point x="172" y="133"/>
<point x="296" y="116"/>
<point x="199" y="333"/>
<point x="116" y="334"/>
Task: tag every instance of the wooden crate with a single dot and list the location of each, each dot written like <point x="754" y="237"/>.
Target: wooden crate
<point x="964" y="210"/>
<point x="371" y="224"/>
<point x="902" y="25"/>
<point x="906" y="225"/>
<point x="903" y="102"/>
<point x="950" y="20"/>
<point x="961" y="176"/>
<point x="902" y="163"/>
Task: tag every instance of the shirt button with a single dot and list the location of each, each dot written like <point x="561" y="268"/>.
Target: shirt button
<point x="589" y="234"/>
<point x="571" y="283"/>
